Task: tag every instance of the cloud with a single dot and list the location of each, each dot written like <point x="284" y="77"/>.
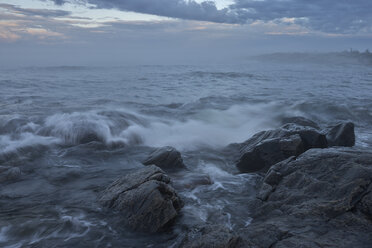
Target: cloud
<point x="189" y="10"/>
<point x="42" y="33"/>
<point x="332" y="16"/>
<point x="335" y="16"/>
<point x="35" y="12"/>
<point x="21" y="23"/>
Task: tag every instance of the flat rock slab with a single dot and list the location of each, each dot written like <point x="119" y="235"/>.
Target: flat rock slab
<point x="145" y="198"/>
<point x="323" y="198"/>
<point x="166" y="158"/>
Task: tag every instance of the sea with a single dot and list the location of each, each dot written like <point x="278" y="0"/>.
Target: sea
<point x="72" y="130"/>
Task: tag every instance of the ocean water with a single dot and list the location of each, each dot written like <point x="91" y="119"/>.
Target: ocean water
<point x="73" y="130"/>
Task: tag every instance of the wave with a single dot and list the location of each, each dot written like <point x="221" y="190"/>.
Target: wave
<point x="221" y="74"/>
<point x="209" y="127"/>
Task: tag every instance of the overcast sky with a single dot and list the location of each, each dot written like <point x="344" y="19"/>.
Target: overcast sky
<point x="114" y="32"/>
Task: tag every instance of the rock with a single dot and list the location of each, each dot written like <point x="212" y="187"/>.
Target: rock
<point x="341" y="135"/>
<point x="311" y="137"/>
<point x="264" y="192"/>
<point x="9" y="173"/>
<point x="291" y="146"/>
<point x="301" y="121"/>
<point x="166" y="158"/>
<point x="269" y="147"/>
<point x="211" y="236"/>
<point x="323" y="198"/>
<point x="365" y="204"/>
<point x="4" y="168"/>
<point x="261" y="156"/>
<point x="144" y="198"/>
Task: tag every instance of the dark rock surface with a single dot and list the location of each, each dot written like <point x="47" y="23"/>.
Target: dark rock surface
<point x="269" y="147"/>
<point x="144" y="198"/>
<point x="210" y="236"/>
<point x="166" y="158"/>
<point x="296" y="136"/>
<point x="9" y="173"/>
<point x="341" y="135"/>
<point x="321" y="199"/>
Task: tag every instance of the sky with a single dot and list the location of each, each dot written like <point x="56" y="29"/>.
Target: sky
<point x="116" y="32"/>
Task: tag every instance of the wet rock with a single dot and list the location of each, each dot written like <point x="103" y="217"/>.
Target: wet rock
<point x="4" y="168"/>
<point x="9" y="173"/>
<point x="144" y="198"/>
<point x="341" y="135"/>
<point x="269" y="147"/>
<point x="365" y="204"/>
<point x="211" y="236"/>
<point x="166" y="158"/>
<point x="311" y="138"/>
<point x="291" y="146"/>
<point x="261" y="156"/>
<point x="320" y="199"/>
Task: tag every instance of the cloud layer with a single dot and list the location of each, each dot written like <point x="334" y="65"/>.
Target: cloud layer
<point x="338" y="16"/>
<point x="334" y="16"/>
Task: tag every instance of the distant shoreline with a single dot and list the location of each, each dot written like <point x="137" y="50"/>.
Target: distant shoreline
<point x="330" y="57"/>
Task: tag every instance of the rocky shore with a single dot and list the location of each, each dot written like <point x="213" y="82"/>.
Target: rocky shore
<point x="315" y="191"/>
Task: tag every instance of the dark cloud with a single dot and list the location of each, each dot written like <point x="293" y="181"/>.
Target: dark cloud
<point x="336" y="16"/>
<point x="188" y="10"/>
<point x="35" y="12"/>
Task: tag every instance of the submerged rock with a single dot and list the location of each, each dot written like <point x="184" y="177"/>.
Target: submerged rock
<point x="166" y="158"/>
<point x="341" y="135"/>
<point x="145" y="198"/>
<point x="323" y="198"/>
<point x="269" y="147"/>
<point x="211" y="236"/>
<point x="192" y="180"/>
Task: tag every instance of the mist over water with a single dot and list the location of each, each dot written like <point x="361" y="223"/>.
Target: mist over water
<point x="72" y="130"/>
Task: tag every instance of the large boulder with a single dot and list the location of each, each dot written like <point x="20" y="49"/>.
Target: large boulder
<point x="323" y="198"/>
<point x="269" y="147"/>
<point x="210" y="236"/>
<point x="341" y="135"/>
<point x="144" y="198"/>
<point x="166" y="158"/>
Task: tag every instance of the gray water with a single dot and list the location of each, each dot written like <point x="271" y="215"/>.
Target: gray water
<point x="73" y="130"/>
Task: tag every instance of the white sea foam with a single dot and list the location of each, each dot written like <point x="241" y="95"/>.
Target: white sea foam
<point x="208" y="127"/>
<point x="3" y="233"/>
<point x="11" y="144"/>
<point x="213" y="128"/>
<point x="205" y="128"/>
<point x="76" y="127"/>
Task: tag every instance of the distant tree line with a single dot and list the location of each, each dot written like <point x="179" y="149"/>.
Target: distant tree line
<point x="355" y="51"/>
